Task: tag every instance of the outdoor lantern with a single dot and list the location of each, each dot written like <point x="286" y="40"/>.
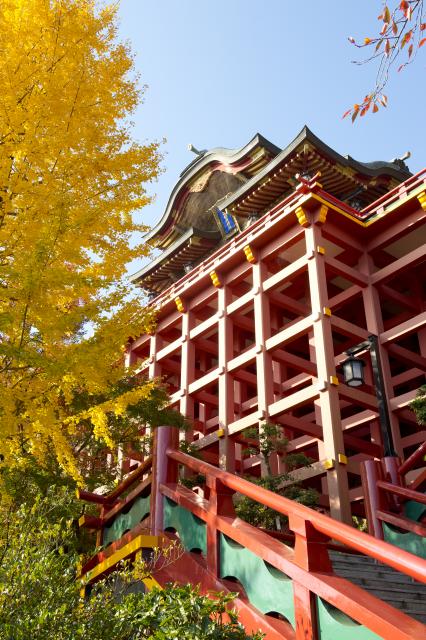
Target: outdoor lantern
<point x="353" y="371"/>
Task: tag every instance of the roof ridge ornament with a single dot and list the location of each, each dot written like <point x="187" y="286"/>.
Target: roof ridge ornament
<point x="196" y="151"/>
<point x="401" y="161"/>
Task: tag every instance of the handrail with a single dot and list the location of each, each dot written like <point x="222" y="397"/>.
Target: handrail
<point x="108" y="499"/>
<point x="412" y="460"/>
<point x="131" y="478"/>
<point x="408" y="494"/>
<point x="411" y="182"/>
<point x="400" y="560"/>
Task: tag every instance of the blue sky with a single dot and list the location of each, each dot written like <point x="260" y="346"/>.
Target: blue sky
<point x="220" y="71"/>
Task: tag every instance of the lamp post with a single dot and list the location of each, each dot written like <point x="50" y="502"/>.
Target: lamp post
<point x="353" y="371"/>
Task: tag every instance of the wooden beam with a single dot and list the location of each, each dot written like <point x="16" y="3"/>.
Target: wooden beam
<point x="399" y="229"/>
<point x="399" y="298"/>
<point x="402" y="401"/>
<point x="298" y="399"/>
<point x="349" y="273"/>
<point x="291" y="271"/>
<point x="348" y="328"/>
<point x="296" y="362"/>
<point x="358" y="397"/>
<point x="409" y="261"/>
<point x="285" y="302"/>
<point x="291" y="332"/>
<point x="406" y="355"/>
<point x="343" y="297"/>
<point x="404" y="329"/>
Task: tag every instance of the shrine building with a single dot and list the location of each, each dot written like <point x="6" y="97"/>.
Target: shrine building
<point x="275" y="267"/>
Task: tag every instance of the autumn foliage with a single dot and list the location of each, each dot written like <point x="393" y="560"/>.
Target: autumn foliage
<point x="402" y="32"/>
<point x="71" y="180"/>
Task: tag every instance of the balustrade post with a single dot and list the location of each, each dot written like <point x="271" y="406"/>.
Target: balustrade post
<point x="220" y="504"/>
<point x="311" y="554"/>
<point x="371" y="472"/>
<point x="310" y="547"/>
<point x="390" y="468"/>
<point x="164" y="471"/>
<point x="305" y="613"/>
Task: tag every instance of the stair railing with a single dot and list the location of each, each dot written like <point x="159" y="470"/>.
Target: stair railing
<point x="385" y="491"/>
<point x="411" y="463"/>
<point x="110" y="506"/>
<point x="307" y="565"/>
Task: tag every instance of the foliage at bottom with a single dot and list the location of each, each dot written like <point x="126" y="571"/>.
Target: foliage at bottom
<point x="39" y="593"/>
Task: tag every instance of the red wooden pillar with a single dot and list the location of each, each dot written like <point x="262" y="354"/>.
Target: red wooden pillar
<point x="371" y="472"/>
<point x="187" y="376"/>
<point x="220" y="503"/>
<point x="337" y="479"/>
<point x="312" y="555"/>
<point x="154" y="370"/>
<point x="264" y="371"/>
<point x="374" y="320"/>
<point x="226" y="381"/>
<point x="163" y="471"/>
<point x="305" y="613"/>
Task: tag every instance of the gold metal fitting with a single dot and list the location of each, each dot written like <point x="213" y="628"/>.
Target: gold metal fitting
<point x="220" y="433"/>
<point x="301" y="216"/>
<point x="334" y="380"/>
<point x="342" y="458"/>
<point x="328" y="464"/>
<point x="326" y="311"/>
<point x="215" y="279"/>
<point x="422" y="199"/>
<point x="179" y="304"/>
<point x="321" y="250"/>
<point x="322" y="214"/>
<point x="249" y="253"/>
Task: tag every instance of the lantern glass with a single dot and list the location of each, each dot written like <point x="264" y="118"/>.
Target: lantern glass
<point x="353" y="371"/>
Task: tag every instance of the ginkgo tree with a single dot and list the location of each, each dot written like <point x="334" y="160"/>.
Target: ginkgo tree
<point x="401" y="35"/>
<point x="72" y="183"/>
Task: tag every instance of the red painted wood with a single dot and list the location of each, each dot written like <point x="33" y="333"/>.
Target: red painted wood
<point x="412" y="461"/>
<point x="305" y="612"/>
<point x="190" y="568"/>
<point x="368" y="610"/>
<point x="402" y="522"/>
<point x="396" y="558"/>
<point x="371" y="472"/>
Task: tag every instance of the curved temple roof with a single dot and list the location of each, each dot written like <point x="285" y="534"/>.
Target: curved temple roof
<point x="246" y="159"/>
<point x="248" y="181"/>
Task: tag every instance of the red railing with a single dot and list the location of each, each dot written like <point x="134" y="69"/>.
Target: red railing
<point x="404" y="188"/>
<point x="308" y="564"/>
<point x="280" y="210"/>
<point x="385" y="492"/>
<point x="112" y="504"/>
<point x="382" y="551"/>
<point x="412" y="461"/>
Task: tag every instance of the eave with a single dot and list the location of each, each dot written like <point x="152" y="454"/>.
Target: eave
<point x="342" y="176"/>
<point x="248" y="160"/>
<point x="189" y="248"/>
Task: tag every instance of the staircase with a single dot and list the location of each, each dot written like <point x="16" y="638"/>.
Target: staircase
<point x="397" y="589"/>
<point x="295" y="592"/>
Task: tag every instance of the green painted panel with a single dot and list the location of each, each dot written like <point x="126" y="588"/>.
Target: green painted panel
<point x="407" y="540"/>
<point x="191" y="530"/>
<point x="414" y="510"/>
<point x="336" y="625"/>
<point x="267" y="588"/>
<point x="126" y="521"/>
